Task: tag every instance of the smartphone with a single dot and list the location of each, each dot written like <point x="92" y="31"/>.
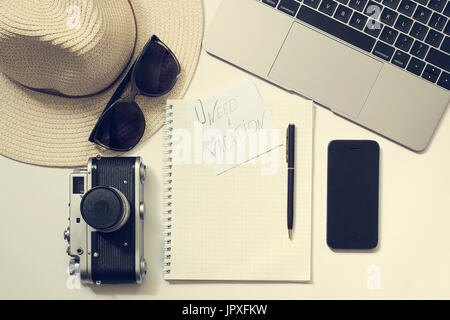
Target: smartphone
<point x="353" y="194"/>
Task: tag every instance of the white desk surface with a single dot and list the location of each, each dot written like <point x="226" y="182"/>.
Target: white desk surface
<point x="413" y="260"/>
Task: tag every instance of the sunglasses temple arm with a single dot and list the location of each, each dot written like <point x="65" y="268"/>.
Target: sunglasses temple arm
<point x="118" y="93"/>
<point x="116" y="96"/>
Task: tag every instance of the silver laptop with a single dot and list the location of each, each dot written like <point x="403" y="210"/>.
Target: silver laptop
<point x="383" y="64"/>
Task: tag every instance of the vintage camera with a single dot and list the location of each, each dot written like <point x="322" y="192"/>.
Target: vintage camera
<point x="106" y="221"/>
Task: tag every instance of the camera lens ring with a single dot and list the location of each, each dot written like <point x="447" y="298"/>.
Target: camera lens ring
<point x="105" y="209"/>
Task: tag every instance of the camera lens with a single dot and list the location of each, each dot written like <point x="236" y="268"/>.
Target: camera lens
<point x="105" y="209"/>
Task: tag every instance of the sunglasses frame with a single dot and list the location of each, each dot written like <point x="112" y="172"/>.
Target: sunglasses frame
<point x="134" y="92"/>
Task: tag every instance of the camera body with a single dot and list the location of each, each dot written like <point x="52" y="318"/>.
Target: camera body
<point x="106" y="221"/>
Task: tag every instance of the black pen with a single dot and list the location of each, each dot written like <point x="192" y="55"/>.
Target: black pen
<point x="290" y="159"/>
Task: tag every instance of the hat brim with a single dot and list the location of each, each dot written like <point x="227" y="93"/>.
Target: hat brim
<point x="50" y="130"/>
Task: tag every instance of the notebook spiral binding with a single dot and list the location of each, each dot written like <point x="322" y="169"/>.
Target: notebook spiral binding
<point x="167" y="189"/>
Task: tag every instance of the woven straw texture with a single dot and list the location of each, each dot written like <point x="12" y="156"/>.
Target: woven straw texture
<point x="38" y="50"/>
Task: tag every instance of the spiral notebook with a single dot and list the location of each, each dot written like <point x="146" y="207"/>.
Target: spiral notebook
<point x="232" y="226"/>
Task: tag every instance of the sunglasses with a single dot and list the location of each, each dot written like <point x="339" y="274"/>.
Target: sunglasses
<point x="122" y="123"/>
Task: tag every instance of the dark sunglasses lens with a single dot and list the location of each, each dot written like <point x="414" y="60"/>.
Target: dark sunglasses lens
<point x="121" y="127"/>
<point x="157" y="71"/>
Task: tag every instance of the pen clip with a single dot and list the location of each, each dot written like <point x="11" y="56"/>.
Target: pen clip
<point x="287" y="145"/>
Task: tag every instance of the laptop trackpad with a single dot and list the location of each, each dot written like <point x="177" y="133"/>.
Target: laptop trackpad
<point x="325" y="70"/>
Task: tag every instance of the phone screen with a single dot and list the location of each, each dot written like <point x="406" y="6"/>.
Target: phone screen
<point x="353" y="194"/>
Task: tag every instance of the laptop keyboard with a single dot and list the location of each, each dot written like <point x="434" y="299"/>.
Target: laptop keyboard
<point x="411" y="34"/>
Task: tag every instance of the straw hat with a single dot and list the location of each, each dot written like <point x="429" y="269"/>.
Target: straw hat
<point x="61" y="60"/>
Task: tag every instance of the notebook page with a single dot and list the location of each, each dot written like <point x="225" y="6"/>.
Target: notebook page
<point x="233" y="226"/>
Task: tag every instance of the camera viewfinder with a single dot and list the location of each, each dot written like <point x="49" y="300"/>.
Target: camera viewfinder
<point x="78" y="185"/>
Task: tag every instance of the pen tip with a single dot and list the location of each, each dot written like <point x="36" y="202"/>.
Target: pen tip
<point x="290" y="234"/>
